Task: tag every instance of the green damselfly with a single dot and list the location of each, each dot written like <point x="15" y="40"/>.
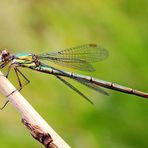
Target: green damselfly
<point x="79" y="57"/>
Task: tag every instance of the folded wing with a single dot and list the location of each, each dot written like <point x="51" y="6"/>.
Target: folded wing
<point x="78" y="57"/>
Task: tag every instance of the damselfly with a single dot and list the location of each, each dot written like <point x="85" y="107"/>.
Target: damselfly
<point x="79" y="57"/>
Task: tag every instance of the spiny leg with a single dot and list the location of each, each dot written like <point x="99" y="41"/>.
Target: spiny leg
<point x="6" y="75"/>
<point x="4" y="105"/>
<point x="8" y="71"/>
<point x="27" y="81"/>
<point x="17" y="71"/>
<point x="20" y="84"/>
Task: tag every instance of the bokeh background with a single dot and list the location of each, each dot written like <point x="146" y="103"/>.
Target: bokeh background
<point x="121" y="26"/>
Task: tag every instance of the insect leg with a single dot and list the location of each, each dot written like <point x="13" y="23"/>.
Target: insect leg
<point x="20" y="83"/>
<point x="4" y="105"/>
<point x="6" y="75"/>
<point x="17" y="71"/>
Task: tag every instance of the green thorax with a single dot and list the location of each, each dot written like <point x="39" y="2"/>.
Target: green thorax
<point x="24" y="59"/>
<point x="23" y="56"/>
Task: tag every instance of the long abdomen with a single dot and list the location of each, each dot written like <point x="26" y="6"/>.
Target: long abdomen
<point x="97" y="82"/>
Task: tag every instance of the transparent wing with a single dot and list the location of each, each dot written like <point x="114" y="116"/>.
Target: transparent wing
<point x="91" y="85"/>
<point x="74" y="88"/>
<point x="78" y="57"/>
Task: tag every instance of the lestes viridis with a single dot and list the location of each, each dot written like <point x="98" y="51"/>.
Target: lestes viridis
<point x="79" y="57"/>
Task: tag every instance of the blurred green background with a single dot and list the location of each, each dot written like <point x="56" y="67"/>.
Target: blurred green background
<point x="121" y="26"/>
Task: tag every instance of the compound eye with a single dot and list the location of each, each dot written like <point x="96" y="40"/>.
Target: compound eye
<point x="5" y="54"/>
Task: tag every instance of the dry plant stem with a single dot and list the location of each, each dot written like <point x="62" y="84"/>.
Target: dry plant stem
<point x="37" y="126"/>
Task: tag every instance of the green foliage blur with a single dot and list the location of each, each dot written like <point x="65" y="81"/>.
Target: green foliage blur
<point x="121" y="26"/>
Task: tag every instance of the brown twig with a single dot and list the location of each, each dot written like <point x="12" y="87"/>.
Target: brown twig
<point x="36" y="125"/>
